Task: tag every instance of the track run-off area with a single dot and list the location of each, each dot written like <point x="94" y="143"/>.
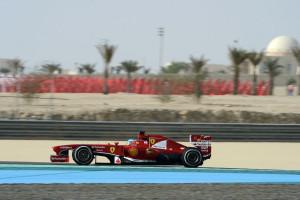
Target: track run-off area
<point x="73" y="174"/>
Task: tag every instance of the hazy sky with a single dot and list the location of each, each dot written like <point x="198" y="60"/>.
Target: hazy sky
<point x="66" y="31"/>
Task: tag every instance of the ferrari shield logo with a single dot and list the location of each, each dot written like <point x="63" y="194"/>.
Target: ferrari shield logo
<point x="112" y="149"/>
<point x="133" y="151"/>
<point x="152" y="141"/>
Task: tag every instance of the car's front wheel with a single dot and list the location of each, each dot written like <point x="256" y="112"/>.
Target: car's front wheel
<point x="191" y="157"/>
<point x="83" y="155"/>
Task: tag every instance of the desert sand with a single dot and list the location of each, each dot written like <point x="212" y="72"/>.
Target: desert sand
<point x="224" y="154"/>
<point x="79" y="102"/>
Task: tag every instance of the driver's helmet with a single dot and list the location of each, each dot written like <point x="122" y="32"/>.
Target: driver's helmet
<point x="130" y="141"/>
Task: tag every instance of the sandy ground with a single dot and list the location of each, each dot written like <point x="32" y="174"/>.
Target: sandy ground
<point x="225" y="154"/>
<point x="79" y="102"/>
<point x="150" y="191"/>
<point x="232" y="155"/>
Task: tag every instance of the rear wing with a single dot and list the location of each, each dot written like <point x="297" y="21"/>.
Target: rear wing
<point x="202" y="142"/>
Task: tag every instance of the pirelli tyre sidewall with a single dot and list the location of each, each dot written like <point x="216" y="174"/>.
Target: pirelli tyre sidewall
<point x="83" y="155"/>
<point x="192" y="157"/>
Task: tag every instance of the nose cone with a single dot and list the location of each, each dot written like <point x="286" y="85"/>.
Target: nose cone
<point x="56" y="148"/>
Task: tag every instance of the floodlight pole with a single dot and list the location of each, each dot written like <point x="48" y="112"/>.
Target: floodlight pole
<point x="298" y="74"/>
<point x="161" y="34"/>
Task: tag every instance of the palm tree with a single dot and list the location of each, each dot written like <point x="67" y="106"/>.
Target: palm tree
<point x="197" y="68"/>
<point x="116" y="70"/>
<point x="87" y="68"/>
<point x="107" y="52"/>
<point x="255" y="58"/>
<point x="80" y="70"/>
<point x="17" y="66"/>
<point x="146" y="71"/>
<point x="4" y="71"/>
<point x="296" y="52"/>
<point x="273" y="69"/>
<point x="51" y="69"/>
<point x="237" y="57"/>
<point x="129" y="67"/>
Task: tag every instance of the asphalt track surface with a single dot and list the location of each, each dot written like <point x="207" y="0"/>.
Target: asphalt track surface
<point x="95" y="174"/>
<point x="149" y="191"/>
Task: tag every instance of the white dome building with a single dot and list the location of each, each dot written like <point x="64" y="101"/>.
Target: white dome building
<point x="281" y="47"/>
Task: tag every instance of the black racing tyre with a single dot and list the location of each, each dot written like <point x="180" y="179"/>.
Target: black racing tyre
<point x="83" y="155"/>
<point x="191" y="157"/>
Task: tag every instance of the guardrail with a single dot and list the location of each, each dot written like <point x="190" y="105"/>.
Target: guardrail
<point x="83" y="130"/>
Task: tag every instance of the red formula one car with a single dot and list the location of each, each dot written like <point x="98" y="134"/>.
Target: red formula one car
<point x="146" y="149"/>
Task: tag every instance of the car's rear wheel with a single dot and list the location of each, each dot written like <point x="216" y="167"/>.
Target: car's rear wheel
<point x="191" y="157"/>
<point x="83" y="155"/>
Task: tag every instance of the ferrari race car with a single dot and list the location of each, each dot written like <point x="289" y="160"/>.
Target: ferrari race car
<point x="146" y="149"/>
